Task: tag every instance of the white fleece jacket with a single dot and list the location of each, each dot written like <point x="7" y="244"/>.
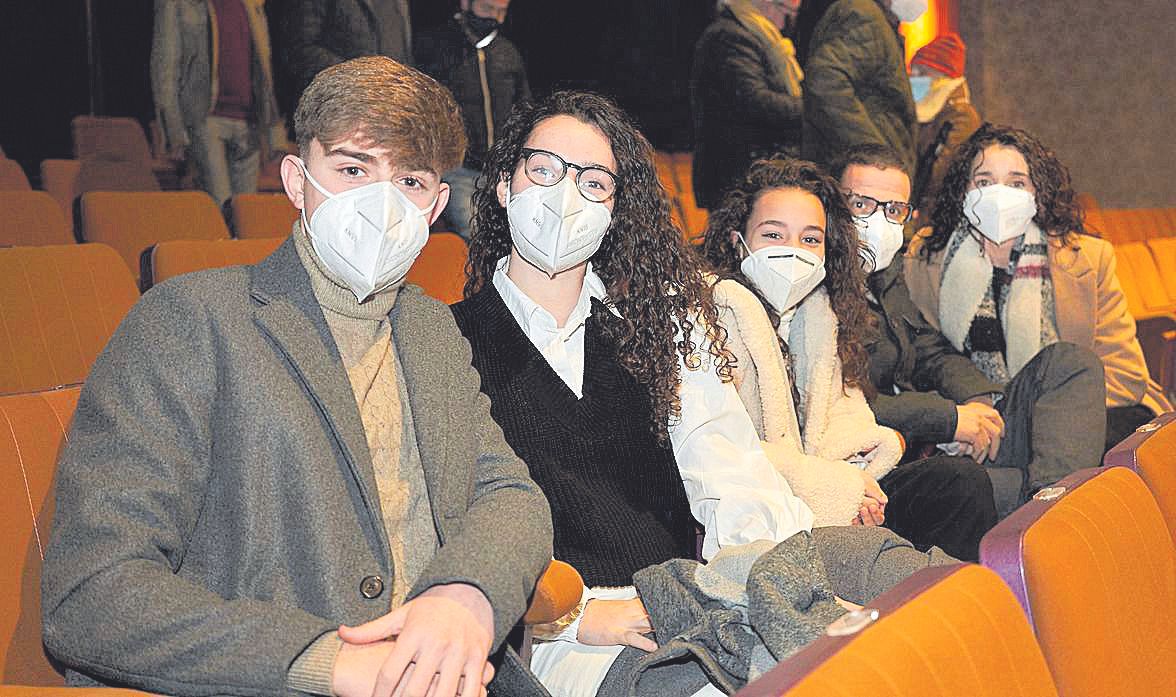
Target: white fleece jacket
<point x="838" y="423"/>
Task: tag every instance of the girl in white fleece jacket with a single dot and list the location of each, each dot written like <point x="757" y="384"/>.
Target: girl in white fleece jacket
<point x="790" y="282"/>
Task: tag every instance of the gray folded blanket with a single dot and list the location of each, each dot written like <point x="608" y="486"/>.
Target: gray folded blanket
<point x="726" y="622"/>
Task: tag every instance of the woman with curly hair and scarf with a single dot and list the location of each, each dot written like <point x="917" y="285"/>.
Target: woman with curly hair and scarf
<point x="1009" y="274"/>
<point x="597" y="340"/>
<point x="791" y="285"/>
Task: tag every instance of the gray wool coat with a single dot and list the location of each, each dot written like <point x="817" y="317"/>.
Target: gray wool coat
<point x="216" y="506"/>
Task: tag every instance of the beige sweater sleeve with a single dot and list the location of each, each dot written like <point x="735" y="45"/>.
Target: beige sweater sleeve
<point x="312" y="671"/>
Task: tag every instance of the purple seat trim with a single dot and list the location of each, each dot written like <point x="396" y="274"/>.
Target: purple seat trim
<point x="1002" y="548"/>
<point x="1123" y="454"/>
<point x="789" y="672"/>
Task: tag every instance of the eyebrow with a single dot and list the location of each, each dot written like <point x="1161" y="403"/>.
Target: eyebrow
<point x="783" y="224"/>
<point x="354" y="154"/>
<point x="988" y="173"/>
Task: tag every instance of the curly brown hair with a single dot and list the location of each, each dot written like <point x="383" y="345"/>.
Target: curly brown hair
<point x="653" y="279"/>
<point x="845" y="256"/>
<point x="1058" y="214"/>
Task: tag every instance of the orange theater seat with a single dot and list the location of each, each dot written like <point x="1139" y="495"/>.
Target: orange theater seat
<point x="12" y="177"/>
<point x="167" y="259"/>
<point x="32" y="429"/>
<point x="950" y="630"/>
<point x="1120" y="225"/>
<point x="261" y="215"/>
<point x="1092" y="562"/>
<point x="133" y="221"/>
<point x="1148" y="296"/>
<point x="440" y="269"/>
<point x="1151" y="453"/>
<point x="1163" y="251"/>
<point x="31" y="218"/>
<point x="58" y="307"/>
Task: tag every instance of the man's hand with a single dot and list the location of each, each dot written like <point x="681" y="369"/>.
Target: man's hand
<point x="979" y="427"/>
<point x="616" y="623"/>
<point x="442" y="639"/>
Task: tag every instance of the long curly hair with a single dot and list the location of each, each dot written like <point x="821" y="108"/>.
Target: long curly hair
<point x="845" y="257"/>
<point x="654" y="281"/>
<point x="1058" y="214"/>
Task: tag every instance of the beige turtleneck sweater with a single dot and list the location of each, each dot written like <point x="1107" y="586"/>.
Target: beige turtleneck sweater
<point x="363" y="335"/>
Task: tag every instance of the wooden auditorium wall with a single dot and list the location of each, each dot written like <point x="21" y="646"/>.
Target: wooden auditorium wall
<point x="1094" y="80"/>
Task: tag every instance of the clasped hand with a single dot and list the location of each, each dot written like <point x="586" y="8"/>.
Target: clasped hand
<point x="435" y="645"/>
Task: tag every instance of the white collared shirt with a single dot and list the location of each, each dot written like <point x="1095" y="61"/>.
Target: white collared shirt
<point x="733" y="489"/>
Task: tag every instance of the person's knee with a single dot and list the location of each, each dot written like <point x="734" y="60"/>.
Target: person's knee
<point x="1071" y="357"/>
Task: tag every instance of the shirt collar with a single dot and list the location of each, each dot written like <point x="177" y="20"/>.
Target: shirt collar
<point x="532" y="317"/>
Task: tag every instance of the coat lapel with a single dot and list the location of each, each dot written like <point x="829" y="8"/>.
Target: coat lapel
<point x="290" y="315"/>
<point x="415" y="336"/>
<point x="1074" y="293"/>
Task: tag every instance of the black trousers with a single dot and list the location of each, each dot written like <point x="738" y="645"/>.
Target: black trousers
<point x="940" y="500"/>
<point x="1122" y="422"/>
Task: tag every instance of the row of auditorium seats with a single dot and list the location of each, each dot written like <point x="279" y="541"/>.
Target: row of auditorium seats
<point x="33" y="427"/>
<point x="1076" y="596"/>
<point x="60" y="304"/>
<point x="674" y="174"/>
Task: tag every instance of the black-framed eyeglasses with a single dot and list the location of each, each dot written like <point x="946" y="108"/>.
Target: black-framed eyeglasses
<point x="863" y="206"/>
<point x="548" y="169"/>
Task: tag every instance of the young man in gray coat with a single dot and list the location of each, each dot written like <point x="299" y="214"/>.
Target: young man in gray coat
<point x="265" y="453"/>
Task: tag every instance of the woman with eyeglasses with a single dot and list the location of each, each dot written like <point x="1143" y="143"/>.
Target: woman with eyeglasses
<point x="791" y="285"/>
<point x="596" y="337"/>
<point x="1008" y="272"/>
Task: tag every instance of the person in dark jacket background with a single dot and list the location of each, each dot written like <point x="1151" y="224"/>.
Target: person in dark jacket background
<point x="744" y="93"/>
<point x="316" y="34"/>
<point x="856" y="86"/>
<point x="485" y="72"/>
<point x="945" y="112"/>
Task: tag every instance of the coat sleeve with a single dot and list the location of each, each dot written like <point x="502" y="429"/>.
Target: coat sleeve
<point x="920" y="416"/>
<point x="302" y="35"/>
<point x="129" y="492"/>
<point x="833" y="70"/>
<point x="1115" y="342"/>
<point x="851" y="429"/>
<point x="165" y="68"/>
<point x="505" y="537"/>
<point x="832" y="489"/>
<point x="741" y="75"/>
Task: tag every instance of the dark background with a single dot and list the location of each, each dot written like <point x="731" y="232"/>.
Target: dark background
<point x="636" y="51"/>
<point x="1092" y="79"/>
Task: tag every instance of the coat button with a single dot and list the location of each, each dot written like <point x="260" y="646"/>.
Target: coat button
<point x="371" y="587"/>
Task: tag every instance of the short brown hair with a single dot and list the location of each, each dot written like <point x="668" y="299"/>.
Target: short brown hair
<point x="389" y="105"/>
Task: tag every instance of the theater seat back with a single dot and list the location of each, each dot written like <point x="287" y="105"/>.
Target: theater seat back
<point x="168" y="259"/>
<point x="1095" y="570"/>
<point x="59" y="305"/>
<point x="130" y="222"/>
<point x="32" y="431"/>
<point x="440" y="268"/>
<point x="945" y="631"/>
<point x="30" y="218"/>
<point x="1151" y="453"/>
<point x="261" y="215"/>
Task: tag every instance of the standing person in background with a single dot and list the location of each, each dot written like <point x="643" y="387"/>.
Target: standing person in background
<point x="320" y="33"/>
<point x="485" y="72"/>
<point x="856" y="86"/>
<point x="213" y="85"/>
<point x="945" y="112"/>
<point x="745" y="93"/>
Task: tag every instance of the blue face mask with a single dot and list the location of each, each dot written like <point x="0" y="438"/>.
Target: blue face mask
<point x="920" y="86"/>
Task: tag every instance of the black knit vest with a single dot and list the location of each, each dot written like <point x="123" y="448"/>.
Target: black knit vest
<point x="617" y="500"/>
